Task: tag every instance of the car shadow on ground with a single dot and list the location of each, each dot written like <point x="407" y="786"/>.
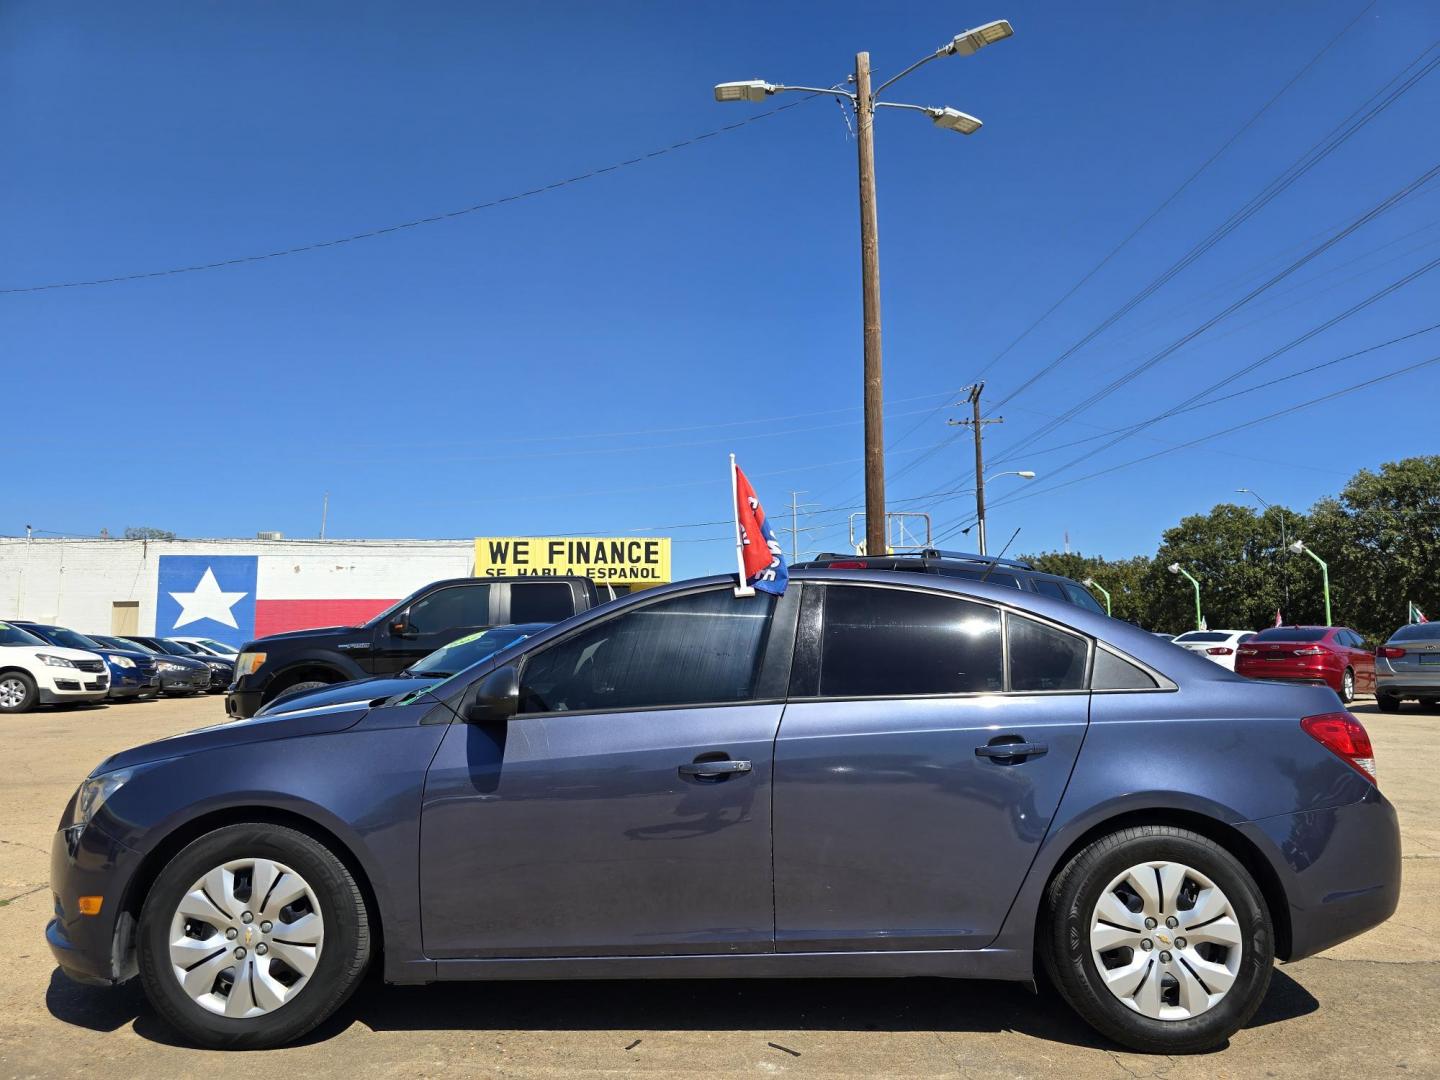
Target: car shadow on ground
<point x="880" y="1005"/>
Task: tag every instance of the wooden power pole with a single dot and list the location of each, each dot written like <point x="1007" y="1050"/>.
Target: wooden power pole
<point x="875" y="531"/>
<point x="977" y="423"/>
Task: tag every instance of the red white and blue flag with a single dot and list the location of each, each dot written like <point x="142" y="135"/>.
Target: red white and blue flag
<point x="761" y="562"/>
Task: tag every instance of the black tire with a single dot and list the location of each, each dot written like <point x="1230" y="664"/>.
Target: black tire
<point x="1347" y="687"/>
<point x="343" y="958"/>
<point x="1387" y="703"/>
<point x="19" y="682"/>
<point x="299" y="688"/>
<point x="1065" y="939"/>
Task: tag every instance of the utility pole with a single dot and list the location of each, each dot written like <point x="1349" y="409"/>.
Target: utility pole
<point x="324" y="513"/>
<point x="870" y="290"/>
<point x="977" y="424"/>
<point x="795" y="526"/>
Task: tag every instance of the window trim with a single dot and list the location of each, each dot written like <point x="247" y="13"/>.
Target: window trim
<point x="806" y="663"/>
<point x="763" y="661"/>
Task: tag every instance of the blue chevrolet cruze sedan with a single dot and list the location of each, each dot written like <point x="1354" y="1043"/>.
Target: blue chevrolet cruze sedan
<point x="875" y="774"/>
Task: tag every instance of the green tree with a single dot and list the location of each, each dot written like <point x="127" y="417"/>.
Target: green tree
<point x="146" y="532"/>
<point x="1124" y="578"/>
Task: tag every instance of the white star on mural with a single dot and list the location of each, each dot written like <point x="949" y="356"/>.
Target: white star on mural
<point x="208" y="601"/>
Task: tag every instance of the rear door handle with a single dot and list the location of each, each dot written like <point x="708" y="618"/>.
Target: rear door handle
<point x="715" y="770"/>
<point x="1008" y="752"/>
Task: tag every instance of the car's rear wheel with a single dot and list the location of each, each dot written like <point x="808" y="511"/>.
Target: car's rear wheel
<point x="1160" y="939"/>
<point x="1387" y="703"/>
<point x="1347" y="686"/>
<point x="17" y="692"/>
<point x="251" y="936"/>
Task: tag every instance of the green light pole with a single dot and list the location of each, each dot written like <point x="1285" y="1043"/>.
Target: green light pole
<point x="1176" y="568"/>
<point x="1298" y="547"/>
<point x="1092" y="583"/>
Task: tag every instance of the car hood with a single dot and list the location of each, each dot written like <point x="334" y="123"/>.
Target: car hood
<point x="256" y="729"/>
<point x="357" y="692"/>
<point x="54" y="650"/>
<point x="318" y="632"/>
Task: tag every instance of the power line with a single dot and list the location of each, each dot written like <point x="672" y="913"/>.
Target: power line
<point x="1336" y="138"/>
<point x="371" y="234"/>
<point x="1246" y="126"/>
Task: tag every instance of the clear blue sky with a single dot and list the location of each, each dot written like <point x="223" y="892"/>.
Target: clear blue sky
<point x="563" y="363"/>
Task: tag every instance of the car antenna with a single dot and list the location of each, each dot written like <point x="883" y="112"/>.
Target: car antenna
<point x="996" y="561"/>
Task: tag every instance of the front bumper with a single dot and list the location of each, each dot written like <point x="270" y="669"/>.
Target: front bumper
<point x="242" y="704"/>
<point x="1339" y="868"/>
<point x="95" y="949"/>
<point x="191" y="682"/>
<point x="65" y="685"/>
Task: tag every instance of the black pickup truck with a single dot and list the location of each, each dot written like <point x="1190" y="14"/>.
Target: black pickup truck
<point x="393" y="640"/>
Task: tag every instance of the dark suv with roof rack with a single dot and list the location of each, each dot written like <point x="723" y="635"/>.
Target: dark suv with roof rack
<point x="1013" y="573"/>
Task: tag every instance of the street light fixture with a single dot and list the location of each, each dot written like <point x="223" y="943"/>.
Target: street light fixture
<point x="1091" y="583"/>
<point x="1299" y="548"/>
<point x="1176" y="568"/>
<point x="863" y="99"/>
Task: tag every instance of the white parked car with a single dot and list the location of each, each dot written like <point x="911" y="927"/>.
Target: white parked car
<point x="1217" y="645"/>
<point x="205" y="646"/>
<point x="34" y="673"/>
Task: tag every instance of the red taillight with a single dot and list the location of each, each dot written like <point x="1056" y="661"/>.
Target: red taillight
<point x="1346" y="738"/>
<point x="851" y="564"/>
<point x="1389" y="652"/>
<point x="1314" y="650"/>
<point x="1220" y="650"/>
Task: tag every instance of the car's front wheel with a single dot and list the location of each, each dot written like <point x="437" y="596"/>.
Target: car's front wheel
<point x="251" y="936"/>
<point x="1160" y="939"/>
<point x="17" y="692"/>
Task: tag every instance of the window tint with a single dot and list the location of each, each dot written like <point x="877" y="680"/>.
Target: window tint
<point x="1046" y="587"/>
<point x="1082" y="598"/>
<point x="703" y="648"/>
<point x="996" y="578"/>
<point x="1416" y="632"/>
<point x="1293" y="633"/>
<point x="890" y="642"/>
<point x="541" y="601"/>
<point x="464" y="605"/>
<point x="1116" y="673"/>
<point x="1044" y="658"/>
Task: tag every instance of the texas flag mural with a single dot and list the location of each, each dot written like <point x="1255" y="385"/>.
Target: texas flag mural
<point x="235" y="598"/>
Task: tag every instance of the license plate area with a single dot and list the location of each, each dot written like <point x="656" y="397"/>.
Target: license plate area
<point x="1429" y="658"/>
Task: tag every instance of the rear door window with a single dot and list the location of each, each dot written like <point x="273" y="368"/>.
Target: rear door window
<point x="1114" y="672"/>
<point x="879" y="642"/>
<point x="1043" y="657"/>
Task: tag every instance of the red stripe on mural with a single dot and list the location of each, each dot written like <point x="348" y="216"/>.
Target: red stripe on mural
<point x="279" y="616"/>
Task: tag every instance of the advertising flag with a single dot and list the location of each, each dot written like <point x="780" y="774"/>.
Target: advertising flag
<point x="1416" y="615"/>
<point x="1277" y="617"/>
<point x="760" y="561"/>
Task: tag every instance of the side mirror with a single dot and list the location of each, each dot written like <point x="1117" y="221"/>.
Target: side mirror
<point x="400" y="626"/>
<point x="494" y="699"/>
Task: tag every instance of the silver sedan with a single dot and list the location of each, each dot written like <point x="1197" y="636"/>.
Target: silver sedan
<point x="1408" y="666"/>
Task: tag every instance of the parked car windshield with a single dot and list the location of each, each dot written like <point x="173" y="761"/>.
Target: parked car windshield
<point x="70" y="639"/>
<point x="1203" y="635"/>
<point x="13" y="635"/>
<point x="123" y="643"/>
<point x="219" y="646"/>
<point x="459" y="655"/>
<point x="1293" y="633"/>
<point x="1417" y="632"/>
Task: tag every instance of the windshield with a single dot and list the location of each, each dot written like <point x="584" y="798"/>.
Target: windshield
<point x="13" y="635"/>
<point x="174" y="648"/>
<point x="459" y="655"/>
<point x="1203" y="635"/>
<point x="1293" y="633"/>
<point x="218" y="647"/>
<point x="138" y="646"/>
<point x="70" y="639"/>
<point x="1416" y="632"/>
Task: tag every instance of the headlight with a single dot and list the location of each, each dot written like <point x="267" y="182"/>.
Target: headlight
<point x="53" y="661"/>
<point x="166" y="665"/>
<point x="218" y="665"/>
<point x="120" y="661"/>
<point x="94" y="791"/>
<point x="247" y="663"/>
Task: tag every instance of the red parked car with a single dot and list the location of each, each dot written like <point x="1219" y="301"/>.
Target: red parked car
<point x="1333" y="655"/>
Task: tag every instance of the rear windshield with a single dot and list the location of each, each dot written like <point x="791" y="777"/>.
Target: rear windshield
<point x="1293" y="633"/>
<point x="1203" y="635"/>
<point x="1417" y="632"/>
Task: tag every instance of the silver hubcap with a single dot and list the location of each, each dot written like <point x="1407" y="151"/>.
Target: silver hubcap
<point x="1165" y="940"/>
<point x="12" y="693"/>
<point x="246" y="938"/>
<point x="1349" y="685"/>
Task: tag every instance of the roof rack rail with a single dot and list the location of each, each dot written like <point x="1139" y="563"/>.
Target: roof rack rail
<point x="970" y="556"/>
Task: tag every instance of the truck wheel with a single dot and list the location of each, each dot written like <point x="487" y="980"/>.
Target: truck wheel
<point x="299" y="688"/>
<point x="251" y="936"/>
<point x="17" y="692"/>
<point x="1159" y="939"/>
<point x="1387" y="703"/>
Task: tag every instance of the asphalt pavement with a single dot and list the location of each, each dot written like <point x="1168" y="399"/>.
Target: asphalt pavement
<point x="1368" y="1007"/>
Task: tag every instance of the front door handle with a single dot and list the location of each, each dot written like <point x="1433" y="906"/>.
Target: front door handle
<point x="715" y="770"/>
<point x="1010" y="752"/>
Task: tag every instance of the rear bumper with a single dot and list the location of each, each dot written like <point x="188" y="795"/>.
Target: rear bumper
<point x="95" y="949"/>
<point x="1292" y="672"/>
<point x="1406" y="683"/>
<point x="1339" y="868"/>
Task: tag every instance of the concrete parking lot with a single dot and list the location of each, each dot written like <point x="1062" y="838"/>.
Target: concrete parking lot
<point x="1366" y="1008"/>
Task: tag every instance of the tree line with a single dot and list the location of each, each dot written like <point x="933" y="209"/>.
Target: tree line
<point x="1380" y="536"/>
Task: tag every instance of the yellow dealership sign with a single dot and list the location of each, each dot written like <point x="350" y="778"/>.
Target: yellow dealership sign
<point x="609" y="560"/>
